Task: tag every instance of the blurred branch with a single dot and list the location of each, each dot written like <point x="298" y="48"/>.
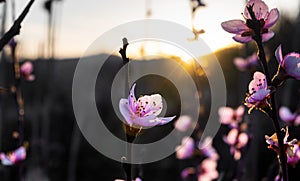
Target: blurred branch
<point x="16" y="89"/>
<point x="122" y="51"/>
<point x="15" y="29"/>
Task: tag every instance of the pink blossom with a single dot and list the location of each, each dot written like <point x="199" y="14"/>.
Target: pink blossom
<point x="243" y="64"/>
<point x="13" y="157"/>
<point x="188" y="172"/>
<point x="293" y="160"/>
<point x="208" y="170"/>
<point x="258" y="90"/>
<point x="186" y="148"/>
<point x="207" y="149"/>
<point x="288" y="145"/>
<point x="183" y="123"/>
<point x="290" y="62"/>
<point x="26" y="71"/>
<point x="244" y="31"/>
<point x="287" y="116"/>
<point x="236" y="140"/>
<point x="144" y="111"/>
<point x="229" y="116"/>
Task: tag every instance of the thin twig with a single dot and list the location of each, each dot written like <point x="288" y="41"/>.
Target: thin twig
<point x="122" y="51"/>
<point x="128" y="166"/>
<point x="129" y="138"/>
<point x="18" y="95"/>
<point x="15" y="29"/>
<point x="16" y="89"/>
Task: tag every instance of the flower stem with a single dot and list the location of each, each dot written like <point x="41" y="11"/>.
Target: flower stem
<point x="128" y="166"/>
<point x="256" y="26"/>
<point x="273" y="113"/>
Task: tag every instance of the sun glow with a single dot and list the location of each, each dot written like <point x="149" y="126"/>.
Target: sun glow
<point x="153" y="49"/>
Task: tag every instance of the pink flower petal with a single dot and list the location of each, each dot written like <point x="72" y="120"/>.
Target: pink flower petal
<point x="267" y="36"/>
<point x="226" y="115"/>
<point x="242" y="39"/>
<point x="132" y="99"/>
<point x="278" y="54"/>
<point x="124" y="109"/>
<point x="26" y="68"/>
<point x="208" y="170"/>
<point x="286" y="115"/>
<point x="13" y="157"/>
<point x="239" y="112"/>
<point x="147" y="121"/>
<point x="257" y="88"/>
<point x="292" y="65"/>
<point x="187" y="172"/>
<point x="253" y="59"/>
<point x="260" y="79"/>
<point x="244" y="64"/>
<point x="165" y="120"/>
<point x="150" y="104"/>
<point x="240" y="63"/>
<point x="297" y="121"/>
<point x="186" y="148"/>
<point x="258" y="96"/>
<point x="234" y="26"/>
<point x="243" y="140"/>
<point x="260" y="9"/>
<point x="207" y="142"/>
<point x="207" y="149"/>
<point x="272" y="18"/>
<point x="30" y="78"/>
<point x="231" y="138"/>
<point x="272" y="140"/>
<point x="183" y="123"/>
<point x="237" y="154"/>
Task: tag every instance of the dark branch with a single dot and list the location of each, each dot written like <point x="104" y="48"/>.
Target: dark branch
<point x="15" y="29"/>
<point x="122" y="51"/>
<point x="256" y="26"/>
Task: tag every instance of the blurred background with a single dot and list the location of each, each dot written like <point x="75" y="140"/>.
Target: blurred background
<point x="56" y="33"/>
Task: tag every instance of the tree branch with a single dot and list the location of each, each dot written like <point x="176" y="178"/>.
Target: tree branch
<point x="256" y="26"/>
<point x="15" y="29"/>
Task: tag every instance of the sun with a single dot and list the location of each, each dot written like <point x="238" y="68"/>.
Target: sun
<point x="150" y="49"/>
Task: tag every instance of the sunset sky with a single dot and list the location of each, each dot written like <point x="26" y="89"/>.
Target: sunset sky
<point x="80" y="22"/>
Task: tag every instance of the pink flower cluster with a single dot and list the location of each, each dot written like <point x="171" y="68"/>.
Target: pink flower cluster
<point x="207" y="169"/>
<point x="236" y="138"/>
